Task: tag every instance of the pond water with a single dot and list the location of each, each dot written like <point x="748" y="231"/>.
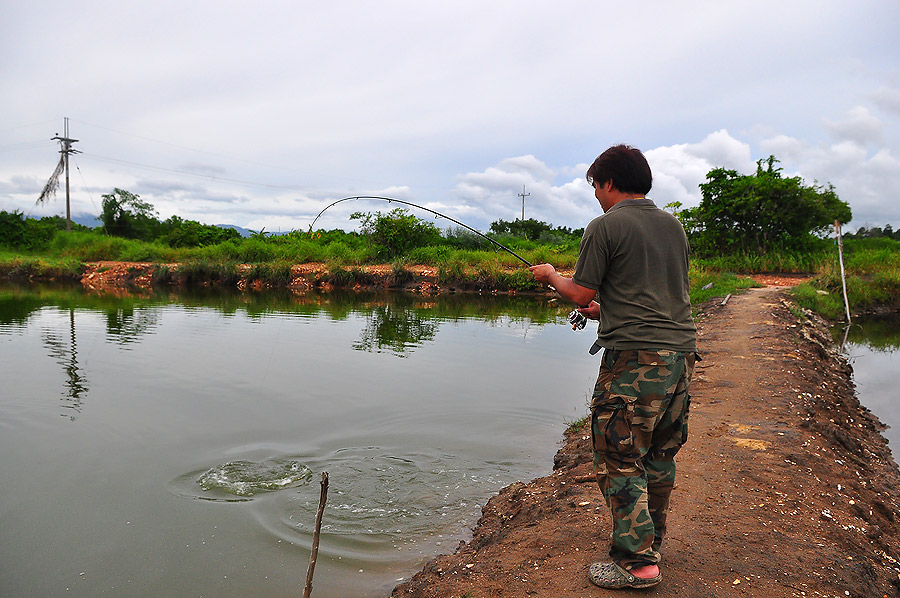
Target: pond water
<point x="173" y="445"/>
<point x="873" y="348"/>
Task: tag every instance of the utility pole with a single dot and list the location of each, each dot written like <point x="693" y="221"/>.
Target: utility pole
<point x="523" y="195"/>
<point x="65" y="148"/>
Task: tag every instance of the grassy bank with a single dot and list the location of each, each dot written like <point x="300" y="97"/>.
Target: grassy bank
<point x="22" y="266"/>
<point x="872" y="270"/>
<point x="463" y="271"/>
<point x="872" y="265"/>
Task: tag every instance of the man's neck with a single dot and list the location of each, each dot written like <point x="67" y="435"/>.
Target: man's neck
<point x="616" y="196"/>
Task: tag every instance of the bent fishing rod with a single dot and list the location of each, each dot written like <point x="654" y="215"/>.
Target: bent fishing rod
<point x="575" y="318"/>
<point x="436" y="213"/>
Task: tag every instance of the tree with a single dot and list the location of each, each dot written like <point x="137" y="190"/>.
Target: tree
<point x="177" y="232"/>
<point x="126" y="215"/>
<point x="527" y="229"/>
<point x="396" y="232"/>
<point x="534" y="230"/>
<point x="760" y="212"/>
<point x="19" y="232"/>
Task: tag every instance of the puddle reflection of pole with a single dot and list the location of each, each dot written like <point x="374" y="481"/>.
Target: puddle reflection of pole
<point x="76" y="384"/>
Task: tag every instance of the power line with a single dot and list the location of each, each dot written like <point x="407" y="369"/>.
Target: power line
<point x="200" y="151"/>
<point x="90" y="195"/>
<point x="186" y="173"/>
<point x="25" y="126"/>
<point x="22" y="145"/>
<point x="227" y="157"/>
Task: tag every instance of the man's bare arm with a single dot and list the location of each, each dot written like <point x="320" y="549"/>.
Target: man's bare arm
<point x="568" y="288"/>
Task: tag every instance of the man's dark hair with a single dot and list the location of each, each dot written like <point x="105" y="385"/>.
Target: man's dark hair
<point x="625" y="166"/>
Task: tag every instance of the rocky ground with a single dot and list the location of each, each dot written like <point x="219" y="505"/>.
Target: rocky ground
<point x="786" y="486"/>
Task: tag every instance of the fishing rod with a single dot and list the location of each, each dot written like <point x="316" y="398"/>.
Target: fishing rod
<point x="575" y="318"/>
<point x="436" y="213"/>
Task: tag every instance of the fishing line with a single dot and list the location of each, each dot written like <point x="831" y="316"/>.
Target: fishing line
<point x="436" y="213"/>
<point x="575" y="318"/>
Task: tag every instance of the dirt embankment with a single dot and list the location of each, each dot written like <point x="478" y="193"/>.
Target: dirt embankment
<point x="112" y="277"/>
<point x="786" y="486"/>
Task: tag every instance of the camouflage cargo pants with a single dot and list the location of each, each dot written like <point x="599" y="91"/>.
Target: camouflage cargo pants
<point x="639" y="417"/>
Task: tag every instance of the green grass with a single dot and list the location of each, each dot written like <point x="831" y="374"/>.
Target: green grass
<point x="273" y="274"/>
<point x="400" y="275"/>
<point x="707" y="283"/>
<point x="578" y="424"/>
<point x="771" y="262"/>
<point x="16" y="265"/>
<point x="201" y="273"/>
<point x="872" y="271"/>
<point x="872" y="265"/>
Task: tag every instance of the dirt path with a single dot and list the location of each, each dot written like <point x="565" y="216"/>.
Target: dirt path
<point x="785" y="488"/>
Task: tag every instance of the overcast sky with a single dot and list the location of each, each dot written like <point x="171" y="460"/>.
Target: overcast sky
<point x="261" y="113"/>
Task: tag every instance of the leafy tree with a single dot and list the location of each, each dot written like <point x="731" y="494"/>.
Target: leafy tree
<point x="126" y="215"/>
<point x="19" y="232"/>
<point x="177" y="232"/>
<point x="760" y="212"/>
<point x="535" y="230"/>
<point x="396" y="232"/>
<point x="876" y="231"/>
<point x="13" y="230"/>
<point x="527" y="229"/>
<point x="461" y="238"/>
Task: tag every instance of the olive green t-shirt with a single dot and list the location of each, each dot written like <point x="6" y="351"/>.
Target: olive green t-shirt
<point x="636" y="257"/>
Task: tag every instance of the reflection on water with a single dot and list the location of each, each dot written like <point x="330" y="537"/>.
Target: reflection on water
<point x="195" y="424"/>
<point x="873" y="348"/>
<point x="64" y="348"/>
<point x="394" y="329"/>
<point x="394" y="323"/>
<point x="128" y="325"/>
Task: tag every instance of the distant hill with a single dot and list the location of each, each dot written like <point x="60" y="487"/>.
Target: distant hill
<point x="95" y="222"/>
<point x="244" y="232"/>
<point x="88" y="220"/>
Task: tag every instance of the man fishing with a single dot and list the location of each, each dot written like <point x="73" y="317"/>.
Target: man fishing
<point x="632" y="276"/>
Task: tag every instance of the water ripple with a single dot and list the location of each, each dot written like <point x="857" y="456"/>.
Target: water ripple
<point x="243" y="478"/>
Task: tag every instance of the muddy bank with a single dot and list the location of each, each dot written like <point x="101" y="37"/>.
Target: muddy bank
<point x="299" y="278"/>
<point x="786" y="486"/>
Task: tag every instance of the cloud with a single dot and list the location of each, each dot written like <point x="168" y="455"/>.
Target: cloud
<point x="678" y="170"/>
<point x="887" y="98"/>
<point x="22" y="185"/>
<point x="494" y="194"/>
<point x="858" y="125"/>
<point x="210" y="170"/>
<point x="454" y="105"/>
<point x="861" y="178"/>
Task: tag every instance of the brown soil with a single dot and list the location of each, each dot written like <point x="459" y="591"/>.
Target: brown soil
<point x="114" y="277"/>
<point x="786" y="486"/>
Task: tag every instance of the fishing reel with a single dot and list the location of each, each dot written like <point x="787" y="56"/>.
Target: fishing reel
<point x="576" y="319"/>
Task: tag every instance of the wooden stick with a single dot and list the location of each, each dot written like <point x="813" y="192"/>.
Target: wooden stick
<point x="837" y="231"/>
<point x="323" y="495"/>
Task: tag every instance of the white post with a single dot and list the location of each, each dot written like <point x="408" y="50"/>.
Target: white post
<point x="837" y="231"/>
